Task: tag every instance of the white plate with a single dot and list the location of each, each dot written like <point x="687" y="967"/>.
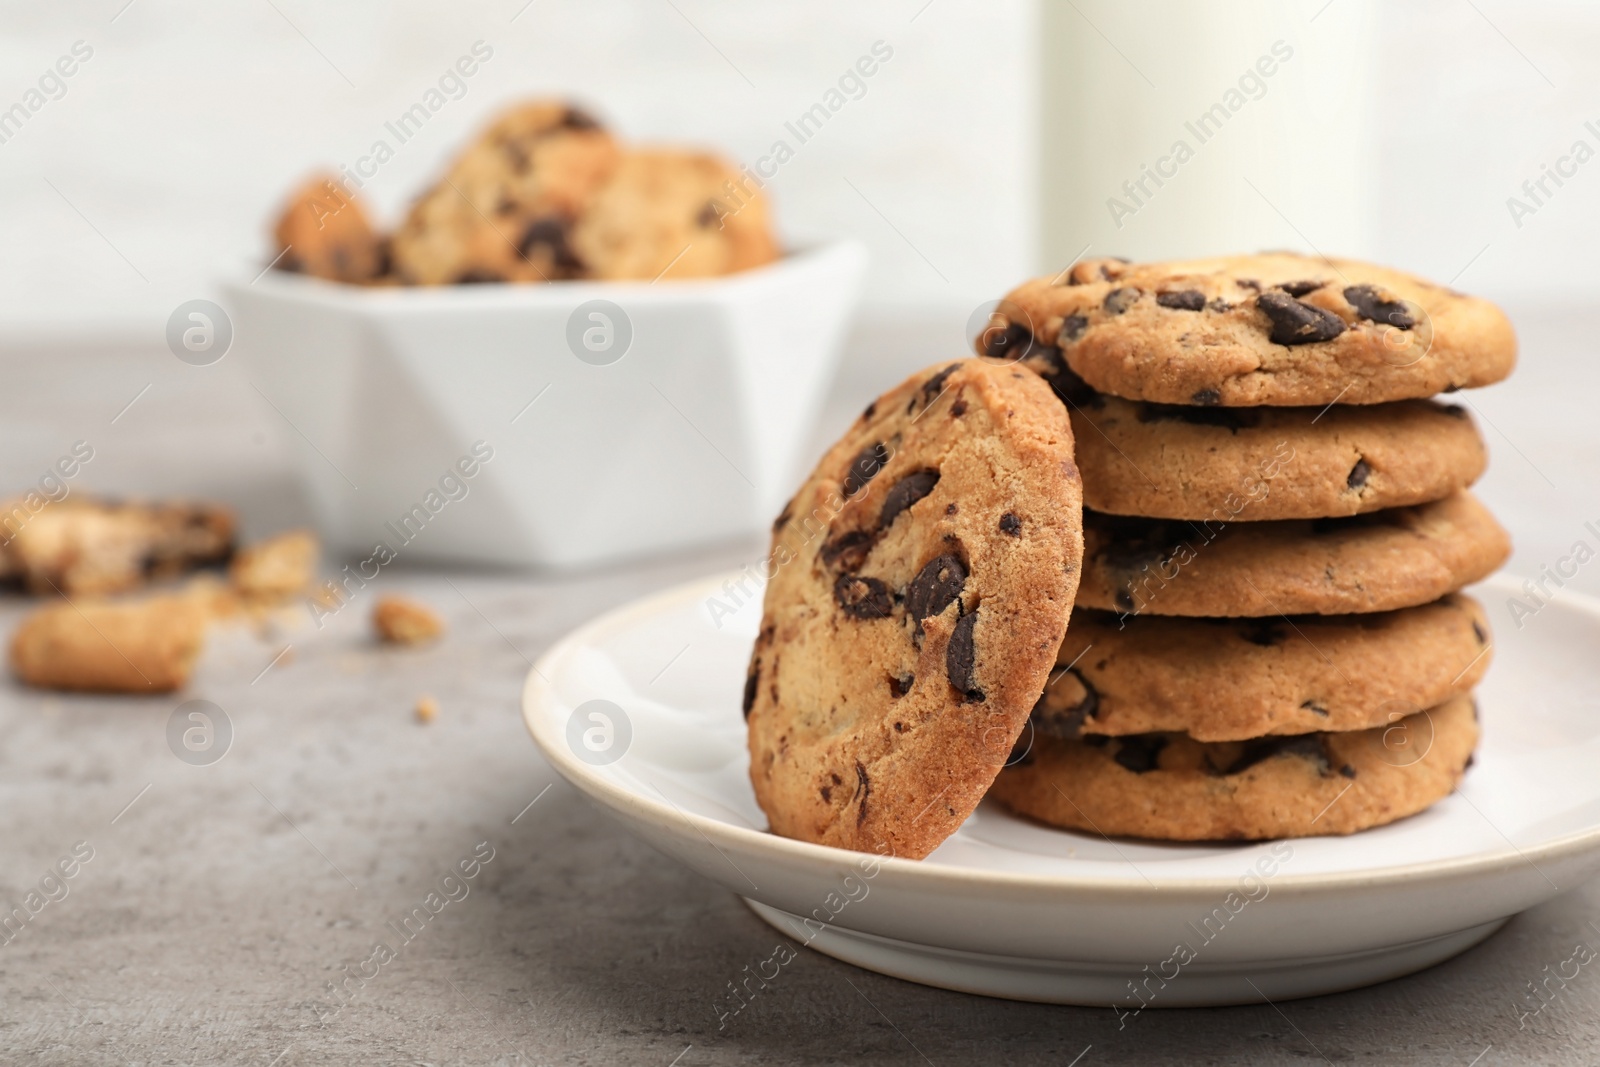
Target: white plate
<point x="1012" y="909"/>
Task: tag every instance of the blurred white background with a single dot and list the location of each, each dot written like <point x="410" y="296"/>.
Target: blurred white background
<point x="985" y="150"/>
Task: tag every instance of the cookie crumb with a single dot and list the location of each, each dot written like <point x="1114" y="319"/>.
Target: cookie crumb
<point x="427" y="708"/>
<point x="277" y="569"/>
<point x="399" y="621"/>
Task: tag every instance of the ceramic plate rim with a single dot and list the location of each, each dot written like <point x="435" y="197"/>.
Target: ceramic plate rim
<point x="536" y="690"/>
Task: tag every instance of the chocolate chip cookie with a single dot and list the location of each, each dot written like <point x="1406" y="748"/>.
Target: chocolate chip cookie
<point x="81" y="545"/>
<point x="1395" y="558"/>
<point x="505" y="210"/>
<point x="137" y="646"/>
<point x="1276" y="328"/>
<point x="1172" y="787"/>
<point x="1230" y="679"/>
<point x="666" y="214"/>
<point x="1225" y="465"/>
<point x="325" y="232"/>
<point x="920" y="586"/>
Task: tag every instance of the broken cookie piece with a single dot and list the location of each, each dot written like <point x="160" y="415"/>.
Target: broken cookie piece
<point x="140" y="646"/>
<point x="83" y="546"/>
<point x="399" y="621"/>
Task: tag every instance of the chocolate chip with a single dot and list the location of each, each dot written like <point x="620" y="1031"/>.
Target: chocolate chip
<point x="752" y="681"/>
<point x="1477" y="631"/>
<point x="1299" y="289"/>
<point x="1263" y="632"/>
<point x="1051" y="365"/>
<point x="1072" y="328"/>
<point x="1370" y="304"/>
<point x="1119" y="300"/>
<point x="550" y="233"/>
<point x="935" y="385"/>
<point x="863" y="598"/>
<point x="1206" y="397"/>
<point x="1350" y="772"/>
<point x="577" y="119"/>
<point x="1183" y="300"/>
<point x="827" y="794"/>
<point x="1312" y="747"/>
<point x="710" y="215"/>
<point x="1219" y="305"/>
<point x="849" y="550"/>
<point x="935" y="587"/>
<point x="960" y="655"/>
<point x="869" y="410"/>
<point x="478" y="277"/>
<point x="958" y="409"/>
<point x="1247" y="283"/>
<point x="904" y="493"/>
<point x="1315" y="708"/>
<point x="1065" y="721"/>
<point x="865" y="467"/>
<point x="1140" y="752"/>
<point x="783" y="517"/>
<point x="1358" y="474"/>
<point x="1294" y="323"/>
<point x="951" y="508"/>
<point x="1014" y="342"/>
<point x="900" y="685"/>
<point x="863" y="790"/>
<point x="1010" y="524"/>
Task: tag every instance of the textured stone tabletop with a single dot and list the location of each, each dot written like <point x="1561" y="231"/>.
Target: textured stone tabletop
<point x="221" y="901"/>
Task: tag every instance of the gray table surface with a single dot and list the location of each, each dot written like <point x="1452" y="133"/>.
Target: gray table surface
<point x="222" y="900"/>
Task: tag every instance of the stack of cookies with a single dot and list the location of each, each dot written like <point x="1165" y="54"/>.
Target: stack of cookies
<point x="545" y="193"/>
<point x="1270" y="638"/>
<point x="1229" y="478"/>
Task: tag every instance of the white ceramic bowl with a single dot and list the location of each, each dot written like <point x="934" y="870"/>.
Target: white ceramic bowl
<point x="673" y="416"/>
<point x="640" y="710"/>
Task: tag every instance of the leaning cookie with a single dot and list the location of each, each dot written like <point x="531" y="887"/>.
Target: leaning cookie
<point x="1276" y="328"/>
<point x="324" y="231"/>
<point x="666" y="214"/>
<point x="1379" y="561"/>
<point x="1229" y="679"/>
<point x="921" y="583"/>
<point x="139" y="646"/>
<point x="505" y="210"/>
<point x="1224" y="465"/>
<point x="1173" y="788"/>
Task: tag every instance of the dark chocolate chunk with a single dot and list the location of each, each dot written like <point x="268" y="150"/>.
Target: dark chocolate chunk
<point x="1312" y="747"/>
<point x="710" y="215"/>
<point x="1455" y="411"/>
<point x="935" y="587"/>
<point x="1014" y="342"/>
<point x="865" y="467"/>
<point x="863" y="790"/>
<point x="1358" y="474"/>
<point x="935" y="385"/>
<point x="551" y="233"/>
<point x="577" y="119"/>
<point x="1183" y="300"/>
<point x="960" y="655"/>
<point x="1315" y="708"/>
<point x="827" y="794"/>
<point x="1139" y="752"/>
<point x="478" y="277"/>
<point x="849" y="550"/>
<point x="1263" y="632"/>
<point x="1299" y="289"/>
<point x="900" y="685"/>
<point x="958" y="409"/>
<point x="1477" y="631"/>
<point x="752" y="681"/>
<point x="1370" y="304"/>
<point x="869" y="410"/>
<point x="783" y="517"/>
<point x="863" y="598"/>
<point x="1010" y="524"/>
<point x="951" y="508"/>
<point x="1068" y="386"/>
<point x="904" y="493"/>
<point x="1350" y="772"/>
<point x="1072" y="328"/>
<point x="1065" y="721"/>
<point x="1119" y="300"/>
<point x="1206" y="397"/>
<point x="1247" y="283"/>
<point x="1294" y="323"/>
